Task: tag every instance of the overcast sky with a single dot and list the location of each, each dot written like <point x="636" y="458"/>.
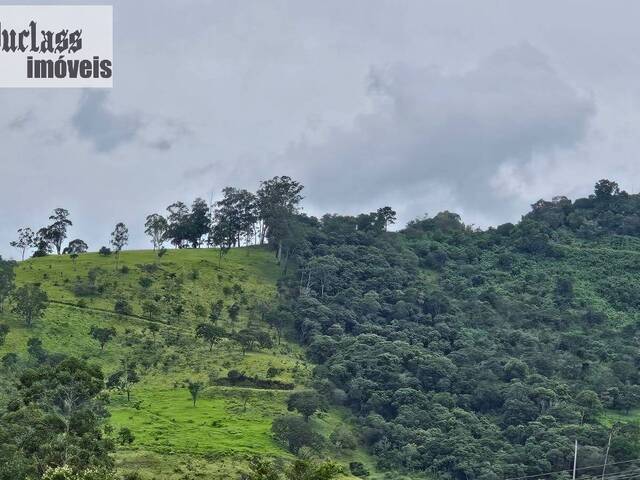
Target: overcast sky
<point x="481" y="107"/>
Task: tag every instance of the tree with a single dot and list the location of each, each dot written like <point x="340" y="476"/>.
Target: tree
<point x="276" y="199"/>
<point x="42" y="243"/>
<point x="76" y="248"/>
<point x="4" y="330"/>
<point x="198" y="222"/>
<point x="150" y="309"/>
<point x="25" y="240"/>
<point x="300" y="469"/>
<point x="125" y="378"/>
<point x="57" y="231"/>
<point x="245" y="395"/>
<point x="234" y="311"/>
<point x="29" y="301"/>
<point x="294" y="432"/>
<point x="119" y="238"/>
<point x="194" y="390"/>
<point x="102" y="335"/>
<point x="386" y="216"/>
<point x="156" y="226"/>
<point x="126" y="436"/>
<point x="306" y="403"/>
<point x="216" y="311"/>
<point x="7" y="277"/>
<point x="210" y="333"/>
<point x="606" y="189"/>
<point x="178" y="224"/>
<point x="56" y="420"/>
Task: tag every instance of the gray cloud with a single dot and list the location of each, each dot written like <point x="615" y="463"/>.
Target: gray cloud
<point x="106" y="130"/>
<point x="21" y="121"/>
<point x="220" y="100"/>
<point x="431" y="129"/>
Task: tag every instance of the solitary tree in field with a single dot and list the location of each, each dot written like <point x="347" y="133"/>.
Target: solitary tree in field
<point x="156" y="227"/>
<point x="75" y="249"/>
<point x="194" y="390"/>
<point x="119" y="238"/>
<point x="29" y="301"/>
<point x="57" y="231"/>
<point x="210" y="333"/>
<point x="125" y="378"/>
<point x="102" y="335"/>
<point x="25" y="240"/>
<point x="150" y="309"/>
<point x="245" y="395"/>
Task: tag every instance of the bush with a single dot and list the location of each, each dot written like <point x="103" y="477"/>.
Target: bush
<point x="126" y="436"/>
<point x="122" y="307"/>
<point x="358" y="469"/>
<point x="294" y="432"/>
<point x="104" y="251"/>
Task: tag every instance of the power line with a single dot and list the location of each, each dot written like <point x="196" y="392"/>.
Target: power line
<point x="571" y="469"/>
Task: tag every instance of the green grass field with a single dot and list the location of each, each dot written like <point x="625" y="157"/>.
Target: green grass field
<point x="173" y="439"/>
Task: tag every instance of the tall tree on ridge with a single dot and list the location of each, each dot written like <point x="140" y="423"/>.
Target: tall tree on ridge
<point x="156" y="226"/>
<point x="119" y="238"/>
<point x="57" y="231"/>
<point x="25" y="240"/>
<point x="198" y="222"/>
<point x="277" y="201"/>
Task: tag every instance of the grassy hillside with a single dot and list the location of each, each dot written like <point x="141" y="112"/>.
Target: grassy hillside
<point x="173" y="438"/>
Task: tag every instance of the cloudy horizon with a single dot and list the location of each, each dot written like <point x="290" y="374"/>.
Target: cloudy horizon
<point x="477" y="108"/>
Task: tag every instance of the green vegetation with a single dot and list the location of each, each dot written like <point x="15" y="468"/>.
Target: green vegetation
<point x="325" y="347"/>
<point x="150" y="356"/>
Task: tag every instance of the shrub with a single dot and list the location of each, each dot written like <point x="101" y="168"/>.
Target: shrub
<point x="104" y="251"/>
<point x="122" y="307"/>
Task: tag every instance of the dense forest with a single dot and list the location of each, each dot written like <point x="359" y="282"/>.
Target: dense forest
<point x="458" y="353"/>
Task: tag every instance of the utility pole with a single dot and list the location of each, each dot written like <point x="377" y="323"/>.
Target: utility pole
<point x="606" y="455"/>
<point x="575" y="459"/>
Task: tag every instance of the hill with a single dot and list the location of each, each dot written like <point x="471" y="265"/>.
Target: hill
<point x="437" y="351"/>
<point x="154" y="305"/>
<point x="481" y="354"/>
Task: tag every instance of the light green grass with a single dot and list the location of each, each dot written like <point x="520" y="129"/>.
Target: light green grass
<point x="173" y="439"/>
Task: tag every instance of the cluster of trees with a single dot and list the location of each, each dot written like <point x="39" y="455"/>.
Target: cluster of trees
<point x="475" y="354"/>
<point x="56" y="420"/>
<point x="29" y="301"/>
<point x="239" y="217"/>
<point x="51" y="237"/>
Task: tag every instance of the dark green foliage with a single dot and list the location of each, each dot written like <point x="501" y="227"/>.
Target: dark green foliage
<point x="306" y="403"/>
<point x="4" y="330"/>
<point x="210" y="333"/>
<point x="55" y="421"/>
<point x="477" y="354"/>
<point x="122" y="307"/>
<point x="294" y="432"/>
<point x="7" y="276"/>
<point x="102" y="335"/>
<point x="194" y="390"/>
<point x="126" y="436"/>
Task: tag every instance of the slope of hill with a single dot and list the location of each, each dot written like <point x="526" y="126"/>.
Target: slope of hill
<point x="154" y="305"/>
<point x="481" y="354"/>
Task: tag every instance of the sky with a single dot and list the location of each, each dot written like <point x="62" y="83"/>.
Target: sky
<point x="475" y="107"/>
